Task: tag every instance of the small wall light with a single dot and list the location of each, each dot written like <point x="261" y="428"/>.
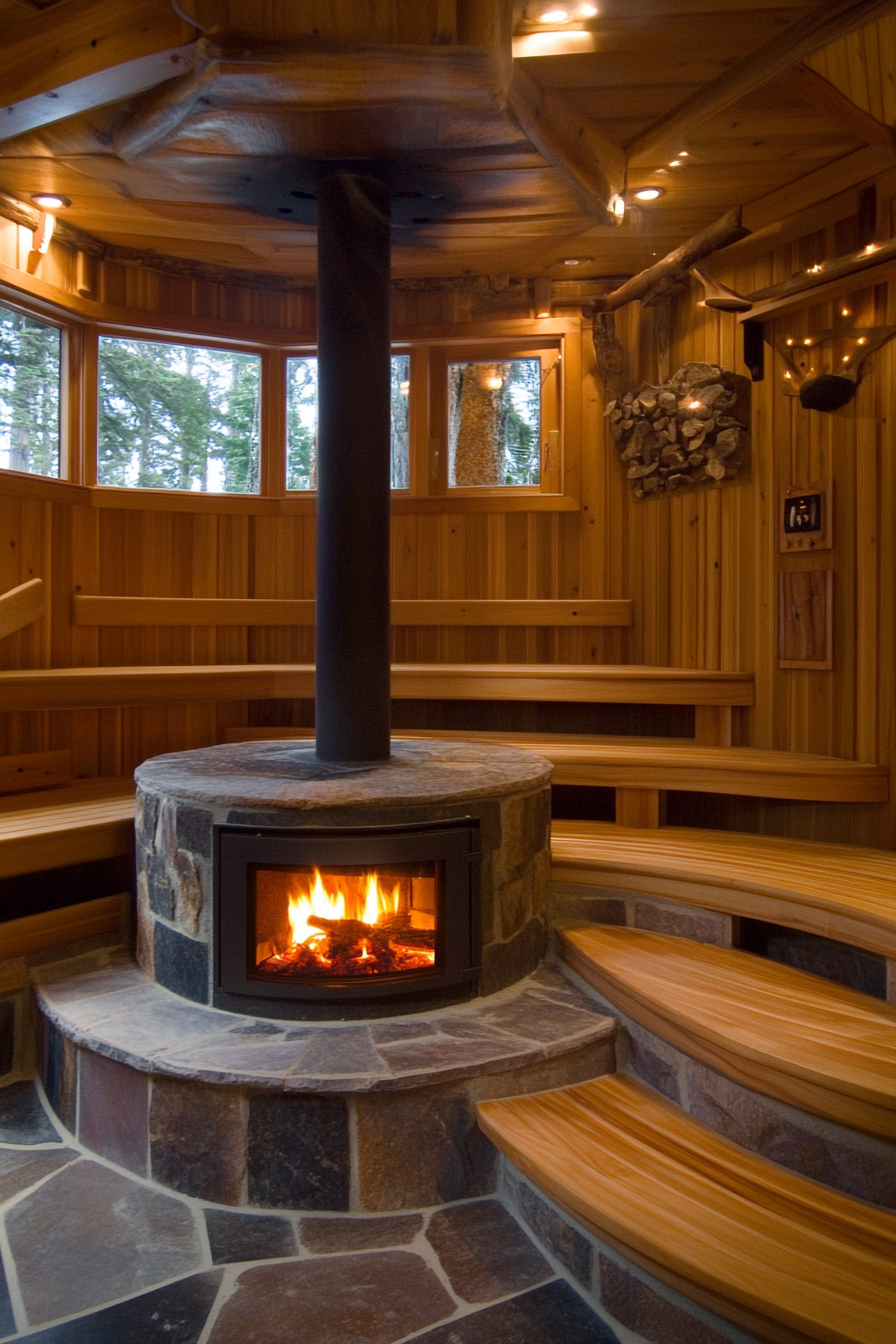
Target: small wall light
<point x="616" y="207"/>
<point x="543" y="294"/>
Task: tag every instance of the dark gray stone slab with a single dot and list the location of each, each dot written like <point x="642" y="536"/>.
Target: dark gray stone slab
<point x="7" y="1317"/>
<point x="22" y="1116"/>
<point x="198" y="1139"/>
<point x="181" y="964"/>
<point x="340" y="1053"/>
<point x="139" y="1036"/>
<point x="89" y="1234"/>
<point x="376" y="1298"/>
<point x="635" y="1304"/>
<point x="175" y="1314"/>
<point x="59" y="1074"/>
<point x="324" y="1236"/>
<point x="552" y="1229"/>
<point x="484" y="1252"/>
<point x="298" y="1153"/>
<point x="552" y="1314"/>
<point x="20" y="1168"/>
<point x="234" y="1237"/>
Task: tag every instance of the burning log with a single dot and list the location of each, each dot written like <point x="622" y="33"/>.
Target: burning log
<point x="687" y="432"/>
<point x="349" y="947"/>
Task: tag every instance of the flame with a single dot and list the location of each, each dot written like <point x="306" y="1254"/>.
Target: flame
<point x="337" y="904"/>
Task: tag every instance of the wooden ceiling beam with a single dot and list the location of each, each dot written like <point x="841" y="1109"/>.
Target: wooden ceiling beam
<point x="820" y="94"/>
<point x="57" y="63"/>
<point x="593" y="163"/>
<point x="677" y="263"/>
<point x="824" y="24"/>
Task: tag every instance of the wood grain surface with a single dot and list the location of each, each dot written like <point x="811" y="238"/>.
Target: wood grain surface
<point x="836" y="891"/>
<point x="790" y="1034"/>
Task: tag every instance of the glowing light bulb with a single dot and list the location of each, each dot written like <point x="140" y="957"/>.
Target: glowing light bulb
<point x="693" y="405"/>
<point x="648" y="193"/>
<point x="813" y="270"/>
<point x="683" y="154"/>
<point x="861" y="340"/>
<point x="493" y="383"/>
<point x="49" y="200"/>
<point x="588" y="11"/>
<point x="787" y="375"/>
<point x="846" y="359"/>
<point x="807" y="340"/>
<point x="872" y="247"/>
<point x="845" y="312"/>
<point x="554" y="16"/>
<point x="790" y="340"/>
<point x="675" y="163"/>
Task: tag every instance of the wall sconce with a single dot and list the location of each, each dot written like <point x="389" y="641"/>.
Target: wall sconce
<point x="719" y="296"/>
<point x="823" y="369"/>
<point x="543" y="295"/>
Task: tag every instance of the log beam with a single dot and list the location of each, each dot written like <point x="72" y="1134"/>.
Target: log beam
<point x="824" y="24"/>
<point x="723" y="231"/>
<point x="592" y="161"/>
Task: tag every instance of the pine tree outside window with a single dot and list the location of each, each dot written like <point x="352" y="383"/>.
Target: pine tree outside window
<point x="494" y="422"/>
<point x="178" y="417"/>
<point x="301" y="422"/>
<point x="30" y="364"/>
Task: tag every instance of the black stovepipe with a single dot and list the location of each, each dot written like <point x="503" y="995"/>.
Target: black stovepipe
<point x="353" y="469"/>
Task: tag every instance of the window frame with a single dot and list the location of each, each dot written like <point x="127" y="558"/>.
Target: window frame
<point x="48" y="317"/>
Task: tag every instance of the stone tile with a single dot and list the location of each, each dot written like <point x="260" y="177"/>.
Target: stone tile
<point x="485" y="1252"/>
<point x="248" y="1236"/>
<point x="346" y="1299"/>
<point x="175" y="1314"/>
<point x="404" y="1029"/>
<point x="323" y="1236"/>
<point x="90" y="1234"/>
<point x="197" y="1139"/>
<point x="441" y="1057"/>
<point x="7" y="1316"/>
<point x="7" y="1035"/>
<point x="22" y="1116"/>
<point x="88" y="1012"/>
<point x="538" y="1017"/>
<point x="572" y="904"/>
<point x="655" y="1062"/>
<point x="298" y="1153"/>
<point x="69" y="981"/>
<point x="59" y="1073"/>
<point x="19" y="1169"/>
<point x="256" y="1029"/>
<point x="340" y="1053"/>
<point x="857" y="1164"/>
<point x="181" y="964"/>
<point x="552" y="1314"/>
<point x="194" y="830"/>
<point x="187" y="891"/>
<point x="420" y="1149"/>
<point x="505" y="963"/>
<point x="551" y="1228"/>
<point x="229" y="1058"/>
<point x="701" y="926"/>
<point x="159" y="886"/>
<point x="850" y="966"/>
<point x="158" y="1025"/>
<point x="635" y="1304"/>
<point x="113" y="1114"/>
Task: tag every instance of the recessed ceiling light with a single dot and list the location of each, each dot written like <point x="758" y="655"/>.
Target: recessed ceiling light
<point x="587" y="11"/>
<point x="675" y="163"/>
<point x="576" y="261"/>
<point x="648" y="193"/>
<point x="554" y="16"/>
<point x="48" y="200"/>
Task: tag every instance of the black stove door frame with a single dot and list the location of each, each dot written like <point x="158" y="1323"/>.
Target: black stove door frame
<point x="453" y="844"/>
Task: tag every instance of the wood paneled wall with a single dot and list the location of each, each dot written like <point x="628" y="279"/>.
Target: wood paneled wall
<point x="702" y="569"/>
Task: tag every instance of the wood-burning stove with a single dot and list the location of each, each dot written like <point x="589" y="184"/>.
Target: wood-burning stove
<point x="357" y="913"/>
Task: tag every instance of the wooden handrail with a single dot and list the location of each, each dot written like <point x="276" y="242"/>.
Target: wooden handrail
<point x="20" y="606"/>
<point x="255" y="611"/>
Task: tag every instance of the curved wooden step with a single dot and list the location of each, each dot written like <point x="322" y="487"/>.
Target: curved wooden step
<point x="765" y="1248"/>
<point x="835" y="891"/>
<point x="92" y="819"/>
<point x="783" y="1032"/>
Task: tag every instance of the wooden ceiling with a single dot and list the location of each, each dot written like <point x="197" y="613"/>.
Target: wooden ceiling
<point x="187" y="131"/>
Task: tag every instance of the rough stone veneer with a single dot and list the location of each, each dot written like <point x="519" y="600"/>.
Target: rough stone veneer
<point x="631" y="1297"/>
<point x="373" y="1116"/>
<point x="181" y="796"/>
<point x="637" y="910"/>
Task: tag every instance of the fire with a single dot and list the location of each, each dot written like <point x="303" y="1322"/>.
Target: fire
<point x="344" y="925"/>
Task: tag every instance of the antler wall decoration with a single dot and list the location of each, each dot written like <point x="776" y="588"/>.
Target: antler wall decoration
<point x="823" y="369"/>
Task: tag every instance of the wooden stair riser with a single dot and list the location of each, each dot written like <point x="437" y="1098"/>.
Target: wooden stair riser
<point x="842" y="925"/>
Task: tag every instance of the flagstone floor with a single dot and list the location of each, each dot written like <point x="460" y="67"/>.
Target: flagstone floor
<point x="94" y="1255"/>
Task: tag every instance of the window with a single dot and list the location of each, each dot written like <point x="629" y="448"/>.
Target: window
<point x="29" y="394"/>
<point x="301" y="422"/>
<point x="178" y="417"/>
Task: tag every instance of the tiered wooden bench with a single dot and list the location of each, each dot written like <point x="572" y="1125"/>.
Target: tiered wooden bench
<point x="713" y="694"/>
<point x="642" y="769"/>
<point x="92" y="819"/>
<point x="786" y="1033"/>
<point x="767" y="1249"/>
<point x="835" y="891"/>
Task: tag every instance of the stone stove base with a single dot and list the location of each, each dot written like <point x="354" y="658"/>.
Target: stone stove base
<point x="242" y="1111"/>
